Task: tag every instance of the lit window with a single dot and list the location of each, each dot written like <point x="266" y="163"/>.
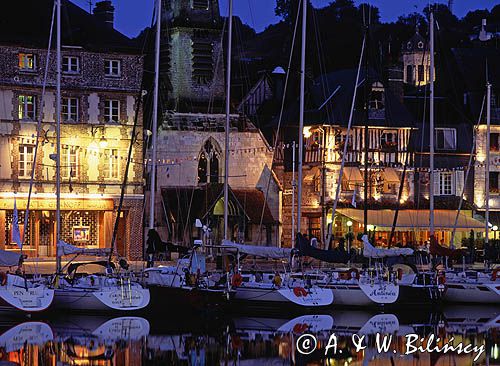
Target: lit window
<point x="112" y="165"/>
<point x="420" y="72"/>
<point x="71" y="64"/>
<point x="25" y="160"/>
<point x="446" y="138"/>
<point x="27" y="61"/>
<point x="69" y="163"/>
<point x="69" y="109"/>
<point x="389" y="139"/>
<point x="27" y="107"/>
<point x="112" y="110"/>
<point x="112" y="67"/>
<point x="445" y="183"/>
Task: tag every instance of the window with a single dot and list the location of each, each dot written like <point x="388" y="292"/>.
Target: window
<point x="494" y="182"/>
<point x="69" y="163"/>
<point x="200" y="4"/>
<point x="71" y="64"/>
<point x="111" y="110"/>
<point x="445" y="183"/>
<point x="25" y="160"/>
<point x="446" y="139"/>
<point x="389" y="139"/>
<point x="409" y="74"/>
<point x="494" y="141"/>
<point x="112" y="67"/>
<point x="208" y="164"/>
<point x="202" y="60"/>
<point x="377" y="96"/>
<point x="27" y="106"/>
<point x="69" y="109"/>
<point x="112" y="166"/>
<point x="420" y="72"/>
<point x="27" y="61"/>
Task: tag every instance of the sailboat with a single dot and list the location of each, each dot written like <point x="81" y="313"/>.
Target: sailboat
<point x="112" y="290"/>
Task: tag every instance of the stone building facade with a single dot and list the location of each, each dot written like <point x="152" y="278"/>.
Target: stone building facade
<point x="191" y="145"/>
<point x="101" y="84"/>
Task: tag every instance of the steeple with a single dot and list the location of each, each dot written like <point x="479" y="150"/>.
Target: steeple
<point x="194" y="61"/>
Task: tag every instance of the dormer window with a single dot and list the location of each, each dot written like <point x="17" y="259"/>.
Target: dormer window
<point x="408" y="45"/>
<point x="27" y="61"/>
<point x="420" y="45"/>
<point x="200" y="4"/>
<point x="377" y="96"/>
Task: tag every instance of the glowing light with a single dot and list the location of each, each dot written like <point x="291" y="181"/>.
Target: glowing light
<point x="307" y="132"/>
<point x="103" y="143"/>
<point x="349" y="223"/>
<point x="370" y="227"/>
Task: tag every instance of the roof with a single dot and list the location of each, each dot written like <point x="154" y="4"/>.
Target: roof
<point x="415" y="43"/>
<point x="190" y="203"/>
<point x="330" y="98"/>
<point x="27" y="23"/>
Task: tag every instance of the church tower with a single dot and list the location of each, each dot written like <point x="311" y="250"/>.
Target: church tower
<point x="416" y="60"/>
<point x="192" y="58"/>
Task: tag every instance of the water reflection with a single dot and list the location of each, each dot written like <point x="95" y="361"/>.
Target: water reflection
<point x="184" y="339"/>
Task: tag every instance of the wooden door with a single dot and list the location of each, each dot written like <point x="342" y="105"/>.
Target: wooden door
<point x="121" y="236"/>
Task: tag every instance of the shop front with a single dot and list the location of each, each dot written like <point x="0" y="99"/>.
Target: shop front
<point x="412" y="227"/>
<point x="85" y="222"/>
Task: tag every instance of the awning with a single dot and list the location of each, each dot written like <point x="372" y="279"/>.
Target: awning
<point x="391" y="175"/>
<point x="352" y="174"/>
<point x="413" y="219"/>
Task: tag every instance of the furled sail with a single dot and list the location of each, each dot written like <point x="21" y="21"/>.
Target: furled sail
<point x="258" y="251"/>
<point x="9" y="259"/>
<point x="330" y="256"/>
<point x="370" y="251"/>
<point x="64" y="248"/>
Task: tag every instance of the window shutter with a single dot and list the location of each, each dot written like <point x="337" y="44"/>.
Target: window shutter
<point x="436" y="184"/>
<point x="459" y="182"/>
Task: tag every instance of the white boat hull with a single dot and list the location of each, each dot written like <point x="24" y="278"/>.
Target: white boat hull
<point x="315" y="296"/>
<point x="363" y="294"/>
<point x="20" y="295"/>
<point x="106" y="299"/>
<point x="473" y="293"/>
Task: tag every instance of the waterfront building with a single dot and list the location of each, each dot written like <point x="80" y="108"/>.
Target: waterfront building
<point x="101" y="86"/>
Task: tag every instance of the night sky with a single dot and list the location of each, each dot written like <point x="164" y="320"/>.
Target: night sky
<point x="133" y="15"/>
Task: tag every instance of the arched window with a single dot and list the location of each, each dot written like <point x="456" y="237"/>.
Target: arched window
<point x="208" y="163"/>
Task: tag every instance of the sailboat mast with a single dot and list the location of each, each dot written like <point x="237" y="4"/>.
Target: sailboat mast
<point x="366" y="130"/>
<point x="487" y="175"/>
<point x="431" y="131"/>
<point x="58" y="135"/>
<point x="301" y="112"/>
<point x="154" y="127"/>
<point x="228" y="126"/>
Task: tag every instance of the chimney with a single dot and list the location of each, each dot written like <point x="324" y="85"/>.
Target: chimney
<point x="395" y="82"/>
<point x="105" y="12"/>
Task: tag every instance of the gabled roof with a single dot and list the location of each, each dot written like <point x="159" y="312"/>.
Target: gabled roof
<point x="27" y="23"/>
<point x="417" y="43"/>
<point x="331" y="98"/>
<point x="189" y="203"/>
